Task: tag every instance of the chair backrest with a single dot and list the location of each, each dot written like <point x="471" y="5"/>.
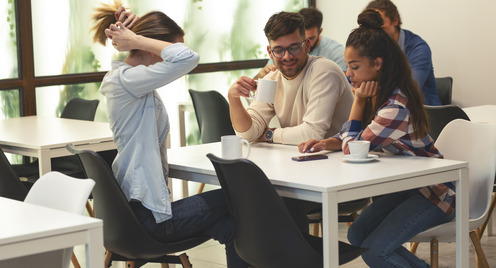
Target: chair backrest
<point x="10" y="185"/>
<point x="440" y="116"/>
<point x="212" y="114"/>
<point x="122" y="232"/>
<point x="444" y="87"/>
<point x="476" y="144"/>
<point x="59" y="191"/>
<point x="266" y="235"/>
<point x="81" y="109"/>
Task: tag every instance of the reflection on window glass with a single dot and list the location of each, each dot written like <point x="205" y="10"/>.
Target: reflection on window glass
<point x="8" y="41"/>
<point x="50" y="101"/>
<point x="9" y="99"/>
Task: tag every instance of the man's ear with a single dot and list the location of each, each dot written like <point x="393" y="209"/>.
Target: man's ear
<point x="269" y="52"/>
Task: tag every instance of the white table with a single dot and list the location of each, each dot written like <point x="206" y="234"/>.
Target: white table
<point x="332" y="181"/>
<point x="482" y="113"/>
<point x="27" y="229"/>
<point x="46" y="137"/>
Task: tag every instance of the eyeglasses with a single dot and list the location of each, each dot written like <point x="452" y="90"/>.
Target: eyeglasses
<point x="294" y="50"/>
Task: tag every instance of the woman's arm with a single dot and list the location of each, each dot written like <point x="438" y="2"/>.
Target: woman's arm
<point x="313" y="146"/>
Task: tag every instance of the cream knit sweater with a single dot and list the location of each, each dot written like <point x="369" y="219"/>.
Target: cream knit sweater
<point x="314" y="105"/>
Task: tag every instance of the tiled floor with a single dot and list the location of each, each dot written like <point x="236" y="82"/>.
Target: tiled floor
<point x="211" y="254"/>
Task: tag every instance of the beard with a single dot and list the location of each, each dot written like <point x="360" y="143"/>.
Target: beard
<point x="294" y="70"/>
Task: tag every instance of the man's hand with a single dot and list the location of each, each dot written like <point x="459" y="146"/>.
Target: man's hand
<point x="265" y="70"/>
<point x="242" y="88"/>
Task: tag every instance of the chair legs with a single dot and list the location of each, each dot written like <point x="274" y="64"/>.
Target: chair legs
<point x="90" y="209"/>
<point x="183" y="260"/>
<point x="413" y="247"/>
<point x="200" y="188"/>
<point x="75" y="261"/>
<point x="434" y="253"/>
<point x="480" y="256"/>
<point x="489" y="214"/>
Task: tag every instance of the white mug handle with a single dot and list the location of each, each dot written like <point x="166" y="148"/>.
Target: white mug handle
<point x="247" y="145"/>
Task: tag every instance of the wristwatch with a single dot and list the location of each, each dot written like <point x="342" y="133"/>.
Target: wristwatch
<point x="269" y="135"/>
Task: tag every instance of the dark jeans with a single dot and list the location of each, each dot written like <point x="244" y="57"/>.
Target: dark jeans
<point x="390" y="221"/>
<point x="201" y="214"/>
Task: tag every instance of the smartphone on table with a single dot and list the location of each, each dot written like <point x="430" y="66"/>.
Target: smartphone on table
<point x="309" y="157"/>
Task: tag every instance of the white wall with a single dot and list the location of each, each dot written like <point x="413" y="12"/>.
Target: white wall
<point x="461" y="34"/>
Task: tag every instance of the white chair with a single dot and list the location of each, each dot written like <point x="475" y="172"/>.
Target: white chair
<point x="57" y="191"/>
<point x="476" y="144"/>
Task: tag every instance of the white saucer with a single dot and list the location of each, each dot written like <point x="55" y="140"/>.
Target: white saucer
<point x="370" y="157"/>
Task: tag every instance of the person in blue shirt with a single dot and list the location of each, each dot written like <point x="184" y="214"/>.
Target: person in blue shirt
<point x="140" y="124"/>
<point x="319" y="45"/>
<point x="416" y="49"/>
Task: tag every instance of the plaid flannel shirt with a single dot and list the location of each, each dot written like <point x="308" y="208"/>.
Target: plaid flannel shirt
<point x="392" y="130"/>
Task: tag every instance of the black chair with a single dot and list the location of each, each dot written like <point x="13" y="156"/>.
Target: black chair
<point x="10" y="185"/>
<point x="124" y="237"/>
<point x="212" y="114"/>
<point x="76" y="108"/>
<point x="444" y="87"/>
<point x="440" y="116"/>
<point x="266" y="235"/>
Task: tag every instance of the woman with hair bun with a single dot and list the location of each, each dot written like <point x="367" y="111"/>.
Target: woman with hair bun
<point x="388" y="111"/>
<point x="140" y="124"/>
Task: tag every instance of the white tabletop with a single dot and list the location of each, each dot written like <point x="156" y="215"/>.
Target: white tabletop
<point x="483" y="113"/>
<point x="333" y="180"/>
<point x="27" y="229"/>
<point x="46" y="137"/>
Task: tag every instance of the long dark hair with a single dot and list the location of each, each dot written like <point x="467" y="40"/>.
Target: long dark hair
<point x="371" y="41"/>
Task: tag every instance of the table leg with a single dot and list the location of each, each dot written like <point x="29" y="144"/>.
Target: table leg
<point x="462" y="226"/>
<point x="330" y="230"/>
<point x="44" y="162"/>
<point x="94" y="248"/>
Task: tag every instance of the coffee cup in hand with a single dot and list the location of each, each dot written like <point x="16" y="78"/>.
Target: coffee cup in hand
<point x="359" y="149"/>
<point x="266" y="90"/>
<point x="232" y="147"/>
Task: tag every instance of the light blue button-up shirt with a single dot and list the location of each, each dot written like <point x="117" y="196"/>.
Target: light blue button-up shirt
<point x="140" y="124"/>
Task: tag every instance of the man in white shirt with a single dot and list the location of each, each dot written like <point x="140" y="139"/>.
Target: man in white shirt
<point x="313" y="97"/>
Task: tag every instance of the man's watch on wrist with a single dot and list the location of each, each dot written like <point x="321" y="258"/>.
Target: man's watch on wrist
<point x="269" y="135"/>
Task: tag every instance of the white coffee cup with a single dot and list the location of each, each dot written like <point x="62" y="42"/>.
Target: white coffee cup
<point x="359" y="149"/>
<point x="266" y="90"/>
<point x="231" y="147"/>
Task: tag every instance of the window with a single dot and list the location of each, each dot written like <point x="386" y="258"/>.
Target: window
<point x="65" y="63"/>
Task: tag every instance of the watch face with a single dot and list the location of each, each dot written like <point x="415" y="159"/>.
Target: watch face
<point x="269" y="134"/>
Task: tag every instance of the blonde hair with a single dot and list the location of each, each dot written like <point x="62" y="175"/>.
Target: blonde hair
<point x="103" y="17"/>
<point x="154" y="24"/>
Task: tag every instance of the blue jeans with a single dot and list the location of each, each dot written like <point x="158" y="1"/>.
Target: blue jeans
<point x="202" y="214"/>
<point x="390" y="221"/>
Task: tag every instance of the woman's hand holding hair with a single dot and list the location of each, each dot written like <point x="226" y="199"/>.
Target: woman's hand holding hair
<point x="122" y="38"/>
<point x="127" y="18"/>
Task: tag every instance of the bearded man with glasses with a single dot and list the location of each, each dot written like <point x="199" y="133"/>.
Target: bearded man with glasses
<point x="313" y="97"/>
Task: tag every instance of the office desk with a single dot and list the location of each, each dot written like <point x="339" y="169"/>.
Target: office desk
<point x="483" y="113"/>
<point x="46" y="137"/>
<point x="332" y="180"/>
<point x="27" y="229"/>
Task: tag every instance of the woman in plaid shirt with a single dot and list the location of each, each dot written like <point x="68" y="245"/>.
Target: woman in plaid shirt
<point x="388" y="111"/>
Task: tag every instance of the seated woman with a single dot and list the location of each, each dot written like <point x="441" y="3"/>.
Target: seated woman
<point x="388" y="111"/>
<point x="140" y="125"/>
